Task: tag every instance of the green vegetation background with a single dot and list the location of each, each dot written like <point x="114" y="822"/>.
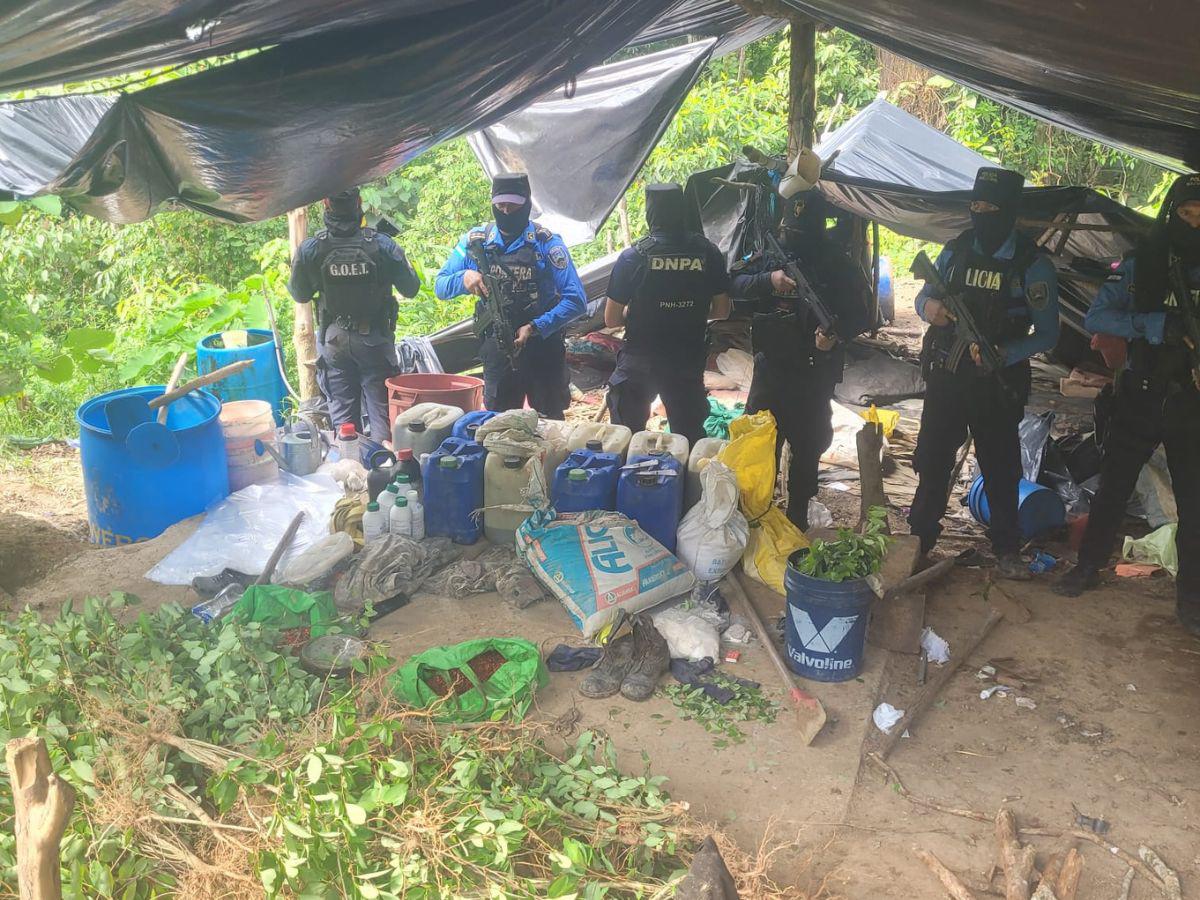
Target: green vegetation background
<point x="87" y="307"/>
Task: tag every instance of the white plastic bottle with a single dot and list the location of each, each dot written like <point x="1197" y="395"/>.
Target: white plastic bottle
<point x="417" y="511"/>
<point x="387" y="499"/>
<point x="401" y="518"/>
<point x="374" y="524"/>
<point x="347" y="442"/>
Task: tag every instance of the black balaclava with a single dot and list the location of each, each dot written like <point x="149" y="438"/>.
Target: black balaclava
<point x="343" y="212"/>
<point x="511" y="187"/>
<point x="664" y="209"/>
<point x="1184" y="239"/>
<point x="802" y="224"/>
<point x="1001" y="188"/>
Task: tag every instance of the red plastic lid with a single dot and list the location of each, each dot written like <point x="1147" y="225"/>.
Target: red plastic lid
<point x="404" y="454"/>
<point x="347" y="430"/>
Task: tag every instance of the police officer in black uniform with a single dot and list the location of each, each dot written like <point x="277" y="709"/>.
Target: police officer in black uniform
<point x="1011" y="289"/>
<point x="1157" y="395"/>
<point x="664" y="290"/>
<point x="350" y="271"/>
<point x="796" y="366"/>
<point x="544" y="291"/>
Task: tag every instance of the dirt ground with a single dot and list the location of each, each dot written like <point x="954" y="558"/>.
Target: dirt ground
<point x="1113" y="734"/>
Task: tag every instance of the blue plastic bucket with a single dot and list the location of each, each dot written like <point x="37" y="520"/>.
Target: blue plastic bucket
<point x="826" y="624"/>
<point x="1039" y="509"/>
<point x="261" y="381"/>
<point x="130" y="500"/>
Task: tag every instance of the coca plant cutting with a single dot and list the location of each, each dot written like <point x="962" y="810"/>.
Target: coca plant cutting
<point x="851" y="555"/>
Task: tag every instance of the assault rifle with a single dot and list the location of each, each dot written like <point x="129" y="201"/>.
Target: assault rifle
<point x="492" y="311"/>
<point x="826" y="320"/>
<point x="966" y="331"/>
<point x="1191" y="319"/>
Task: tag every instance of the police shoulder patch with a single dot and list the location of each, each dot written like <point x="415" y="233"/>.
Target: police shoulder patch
<point x="1038" y="295"/>
<point x="477" y="234"/>
<point x="542" y="233"/>
<point x="558" y="257"/>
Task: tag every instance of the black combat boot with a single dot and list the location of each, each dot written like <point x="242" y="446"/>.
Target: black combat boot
<point x="1079" y="579"/>
<point x="605" y="680"/>
<point x="651" y="659"/>
<point x="1012" y="567"/>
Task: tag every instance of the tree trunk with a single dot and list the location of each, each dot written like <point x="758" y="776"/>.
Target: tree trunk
<point x="43" y="804"/>
<point x="304" y="336"/>
<point x="870" y="471"/>
<point x="623" y="218"/>
<point x="802" y="85"/>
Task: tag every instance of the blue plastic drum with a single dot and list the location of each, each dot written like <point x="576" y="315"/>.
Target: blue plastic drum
<point x="1039" y="509"/>
<point x="261" y="381"/>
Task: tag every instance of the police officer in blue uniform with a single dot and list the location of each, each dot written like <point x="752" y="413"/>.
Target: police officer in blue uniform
<point x="664" y="290"/>
<point x="796" y="366"/>
<point x="1012" y="290"/>
<point x="1156" y="398"/>
<point x="545" y="295"/>
<point x="350" y="271"/>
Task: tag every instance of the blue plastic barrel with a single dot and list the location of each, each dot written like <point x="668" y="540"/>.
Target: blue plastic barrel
<point x="652" y="495"/>
<point x="465" y="425"/>
<point x="453" y="477"/>
<point x="130" y="500"/>
<point x="587" y="480"/>
<point x="261" y="381"/>
<point x="826" y="624"/>
<point x="1039" y="509"/>
<point x="887" y="290"/>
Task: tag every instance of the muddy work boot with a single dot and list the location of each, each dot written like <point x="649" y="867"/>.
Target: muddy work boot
<point x="211" y="585"/>
<point x="1079" y="579"/>
<point x="651" y="659"/>
<point x="605" y="680"/>
<point x="1011" y="567"/>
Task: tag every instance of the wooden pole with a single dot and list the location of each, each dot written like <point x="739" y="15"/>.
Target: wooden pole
<point x="802" y="85"/>
<point x="304" y="335"/>
<point x="172" y="383"/>
<point x="623" y="218"/>
<point x="42" y="802"/>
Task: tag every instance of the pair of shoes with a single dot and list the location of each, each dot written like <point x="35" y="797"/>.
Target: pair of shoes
<point x="1012" y="567"/>
<point x="211" y="585"/>
<point x="1188" y="613"/>
<point x="1079" y="579"/>
<point x="632" y="664"/>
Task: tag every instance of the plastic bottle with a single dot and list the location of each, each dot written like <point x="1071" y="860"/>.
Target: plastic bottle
<point x="454" y="490"/>
<point x="659" y="443"/>
<point x="347" y="442"/>
<point x="400" y="518"/>
<point x="380" y="472"/>
<point x="407" y="464"/>
<point x="586" y="480"/>
<point x="417" y="510"/>
<point x="217" y="606"/>
<point x="612" y="438"/>
<point x="386" y="500"/>
<point x="505" y="479"/>
<point x="374" y="524"/>
<point x="423" y="427"/>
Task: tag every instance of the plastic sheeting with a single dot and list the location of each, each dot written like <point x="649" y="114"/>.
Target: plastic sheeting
<point x="582" y="152"/>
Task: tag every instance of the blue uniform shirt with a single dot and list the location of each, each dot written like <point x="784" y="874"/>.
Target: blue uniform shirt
<point x="306" y="279"/>
<point x="1044" y="313"/>
<point x="559" y="286"/>
<point x="1113" y="311"/>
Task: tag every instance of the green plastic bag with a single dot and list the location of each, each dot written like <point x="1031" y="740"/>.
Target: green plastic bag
<point x="509" y="689"/>
<point x="283" y="607"/>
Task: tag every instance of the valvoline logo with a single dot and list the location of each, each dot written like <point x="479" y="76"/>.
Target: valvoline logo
<point x="603" y="552"/>
<point x="825" y="640"/>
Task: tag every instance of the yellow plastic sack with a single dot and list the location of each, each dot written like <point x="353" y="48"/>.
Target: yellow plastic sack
<point x="888" y="418"/>
<point x="751" y="455"/>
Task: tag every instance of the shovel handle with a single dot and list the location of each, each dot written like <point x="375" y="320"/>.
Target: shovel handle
<point x="172" y="382"/>
<point x="216" y="375"/>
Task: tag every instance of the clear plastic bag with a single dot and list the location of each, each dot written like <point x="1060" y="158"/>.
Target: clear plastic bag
<point x="240" y="531"/>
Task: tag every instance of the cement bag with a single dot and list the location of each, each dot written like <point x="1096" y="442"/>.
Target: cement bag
<point x="713" y="535"/>
<point x="751" y="456"/>
<point x="598" y="562"/>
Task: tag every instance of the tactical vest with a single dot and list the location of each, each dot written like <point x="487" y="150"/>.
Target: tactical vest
<point x="1168" y="362"/>
<point x="668" y="312"/>
<point x="352" y="280"/>
<point x="785" y="333"/>
<point x="994" y="292"/>
<point x="521" y="273"/>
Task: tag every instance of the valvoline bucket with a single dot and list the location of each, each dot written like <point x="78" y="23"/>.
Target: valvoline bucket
<point x="650" y="490"/>
<point x="453" y="477"/>
<point x="133" y="500"/>
<point x="404" y="391"/>
<point x="826" y="624"/>
<point x="467" y="424"/>
<point x="586" y="480"/>
<point x="1039" y="509"/>
<point x="261" y="381"/>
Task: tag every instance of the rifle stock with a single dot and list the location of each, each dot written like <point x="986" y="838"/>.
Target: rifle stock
<point x="493" y="313"/>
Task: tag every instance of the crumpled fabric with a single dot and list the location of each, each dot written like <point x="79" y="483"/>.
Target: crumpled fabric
<point x="347" y="517"/>
<point x="719" y="416"/>
<point x="313" y="566"/>
<point x="698" y="674"/>
<point x="512" y="433"/>
<point x="1158" y="547"/>
<point x="517" y="585"/>
<point x="389" y="566"/>
<point x="349" y="473"/>
<point x="496" y="570"/>
<point x="565" y="658"/>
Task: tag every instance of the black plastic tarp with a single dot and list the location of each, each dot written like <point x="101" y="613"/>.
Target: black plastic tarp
<point x="1119" y="72"/>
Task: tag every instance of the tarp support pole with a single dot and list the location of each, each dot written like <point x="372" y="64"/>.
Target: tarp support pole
<point x="304" y="336"/>
<point x="802" y="84"/>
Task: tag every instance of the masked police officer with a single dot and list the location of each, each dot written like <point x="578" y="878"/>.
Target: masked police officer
<point x="1156" y="398"/>
<point x="544" y="294"/>
<point x="797" y="366"/>
<point x="1011" y="290"/>
<point x="664" y="290"/>
<point x="351" y="270"/>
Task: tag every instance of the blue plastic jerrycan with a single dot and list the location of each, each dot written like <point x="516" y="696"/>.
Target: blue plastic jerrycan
<point x="586" y="480"/>
<point x="650" y="490"/>
<point x="453" y="479"/>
